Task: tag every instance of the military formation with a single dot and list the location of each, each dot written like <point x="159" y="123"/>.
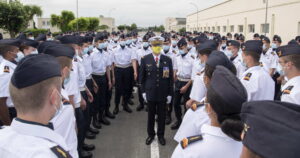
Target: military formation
<point x="231" y="97"/>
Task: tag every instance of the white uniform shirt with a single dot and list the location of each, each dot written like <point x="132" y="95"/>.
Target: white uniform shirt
<point x="184" y="66"/>
<point x="23" y="140"/>
<point x="81" y="73"/>
<point x="239" y="66"/>
<point x="269" y="60"/>
<point x="87" y="63"/>
<point x="192" y="123"/>
<point x="141" y="53"/>
<point x="123" y="57"/>
<point x="173" y="58"/>
<point x="215" y="144"/>
<point x="6" y="71"/>
<point x="291" y="91"/>
<point x="198" y="90"/>
<point x="100" y="61"/>
<point x="258" y="83"/>
<point x="1" y="58"/>
<point x="65" y="125"/>
<point x="72" y="87"/>
<point x="197" y="67"/>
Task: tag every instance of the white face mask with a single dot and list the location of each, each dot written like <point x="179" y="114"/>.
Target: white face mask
<point x="34" y="52"/>
<point x="19" y="57"/>
<point x="280" y="70"/>
<point x="59" y="109"/>
<point x="32" y="38"/>
<point x="229" y="53"/>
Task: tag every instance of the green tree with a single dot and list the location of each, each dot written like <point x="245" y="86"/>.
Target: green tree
<point x="103" y="27"/>
<point x="182" y="30"/>
<point x="121" y="27"/>
<point x="133" y="27"/>
<point x="62" y="21"/>
<point x="82" y="23"/>
<point x="93" y="24"/>
<point x="14" y="16"/>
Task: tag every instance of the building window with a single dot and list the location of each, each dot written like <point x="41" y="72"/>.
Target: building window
<point x="232" y="28"/>
<point x="44" y="23"/>
<point x="241" y="28"/>
<point x="298" y="28"/>
<point x="251" y="28"/>
<point x="224" y="29"/>
<point x="213" y="29"/>
<point x="48" y="23"/>
<point x="204" y="28"/>
<point x="264" y="28"/>
<point x="218" y="29"/>
<point x="208" y="28"/>
<point x="201" y="28"/>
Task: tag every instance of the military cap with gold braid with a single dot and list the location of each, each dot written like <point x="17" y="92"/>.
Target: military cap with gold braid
<point x="157" y="40"/>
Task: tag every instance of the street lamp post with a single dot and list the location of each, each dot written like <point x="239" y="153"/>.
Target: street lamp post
<point x="266" y="17"/>
<point x="77" y="14"/>
<point x="196" y="13"/>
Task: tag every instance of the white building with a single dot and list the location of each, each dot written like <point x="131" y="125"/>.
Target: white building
<point x="248" y="17"/>
<point x="44" y="23"/>
<point x="110" y="22"/>
<point x="174" y="24"/>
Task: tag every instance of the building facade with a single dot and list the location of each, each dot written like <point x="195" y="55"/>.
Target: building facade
<point x="249" y="17"/>
<point x="174" y="24"/>
<point x="110" y="22"/>
<point x="44" y="23"/>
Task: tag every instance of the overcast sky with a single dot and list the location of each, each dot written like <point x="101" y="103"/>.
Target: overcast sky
<point x="142" y="12"/>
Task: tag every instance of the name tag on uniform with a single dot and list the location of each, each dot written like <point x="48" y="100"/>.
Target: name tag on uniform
<point x="166" y="72"/>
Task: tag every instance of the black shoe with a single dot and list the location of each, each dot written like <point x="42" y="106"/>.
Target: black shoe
<point x="130" y="102"/>
<point x="93" y="130"/>
<point x="149" y="140"/>
<point x="147" y="108"/>
<point x="116" y="111"/>
<point x="85" y="154"/>
<point x="162" y="140"/>
<point x="176" y="125"/>
<point x="89" y="147"/>
<point x="105" y="121"/>
<point x="127" y="109"/>
<point x="109" y="115"/>
<point x="90" y="135"/>
<point x="97" y="125"/>
<point x="168" y="119"/>
<point x="140" y="108"/>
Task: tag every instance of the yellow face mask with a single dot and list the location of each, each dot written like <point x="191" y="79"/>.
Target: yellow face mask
<point x="156" y="49"/>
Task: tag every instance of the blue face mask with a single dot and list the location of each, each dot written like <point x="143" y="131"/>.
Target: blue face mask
<point x="166" y="48"/>
<point x="181" y="52"/>
<point x="123" y="43"/>
<point x="67" y="80"/>
<point x="174" y="43"/>
<point x="101" y="45"/>
<point x="128" y="42"/>
<point x="264" y="47"/>
<point x="19" y="57"/>
<point x="85" y="50"/>
<point x="145" y="44"/>
<point x="229" y="53"/>
<point x="91" y="47"/>
<point x="105" y="44"/>
<point x="274" y="46"/>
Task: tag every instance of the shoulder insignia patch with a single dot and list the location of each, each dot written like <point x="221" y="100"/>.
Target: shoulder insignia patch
<point x="273" y="53"/>
<point x="192" y="57"/>
<point x="190" y="140"/>
<point x="248" y="76"/>
<point x="60" y="152"/>
<point x="196" y="106"/>
<point x="6" y="69"/>
<point x="75" y="60"/>
<point x="288" y="90"/>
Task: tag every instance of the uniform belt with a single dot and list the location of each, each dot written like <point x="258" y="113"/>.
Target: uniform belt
<point x="184" y="79"/>
<point x="99" y="74"/>
<point x="123" y="66"/>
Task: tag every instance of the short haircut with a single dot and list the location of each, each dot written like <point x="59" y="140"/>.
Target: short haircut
<point x="32" y="99"/>
<point x="254" y="55"/>
<point x="64" y="61"/>
<point x="6" y="48"/>
<point x="294" y="58"/>
<point x="209" y="70"/>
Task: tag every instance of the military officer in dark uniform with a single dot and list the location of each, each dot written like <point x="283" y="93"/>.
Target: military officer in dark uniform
<point x="156" y="79"/>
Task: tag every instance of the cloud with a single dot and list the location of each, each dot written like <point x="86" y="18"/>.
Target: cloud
<point x="142" y="12"/>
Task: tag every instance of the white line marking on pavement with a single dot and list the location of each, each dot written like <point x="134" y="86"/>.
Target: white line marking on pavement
<point x="154" y="146"/>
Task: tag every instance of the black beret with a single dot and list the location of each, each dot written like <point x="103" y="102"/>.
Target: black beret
<point x="33" y="69"/>
<point x="219" y="58"/>
<point x="31" y="43"/>
<point x="88" y="38"/>
<point x="297" y="38"/>
<point x="99" y="37"/>
<point x="200" y="39"/>
<point x="208" y="45"/>
<point x="21" y="36"/>
<point x="266" y="39"/>
<point x="233" y="43"/>
<point x="11" y="42"/>
<point x="224" y="38"/>
<point x="70" y="39"/>
<point x="182" y="42"/>
<point x="230" y="89"/>
<point x="41" y="48"/>
<point x="293" y="42"/>
<point x="256" y="35"/>
<point x="60" y="50"/>
<point x="41" y="37"/>
<point x="272" y="128"/>
<point x="253" y="46"/>
<point x="288" y="50"/>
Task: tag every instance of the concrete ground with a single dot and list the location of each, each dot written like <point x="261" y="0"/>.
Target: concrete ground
<point x="126" y="136"/>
